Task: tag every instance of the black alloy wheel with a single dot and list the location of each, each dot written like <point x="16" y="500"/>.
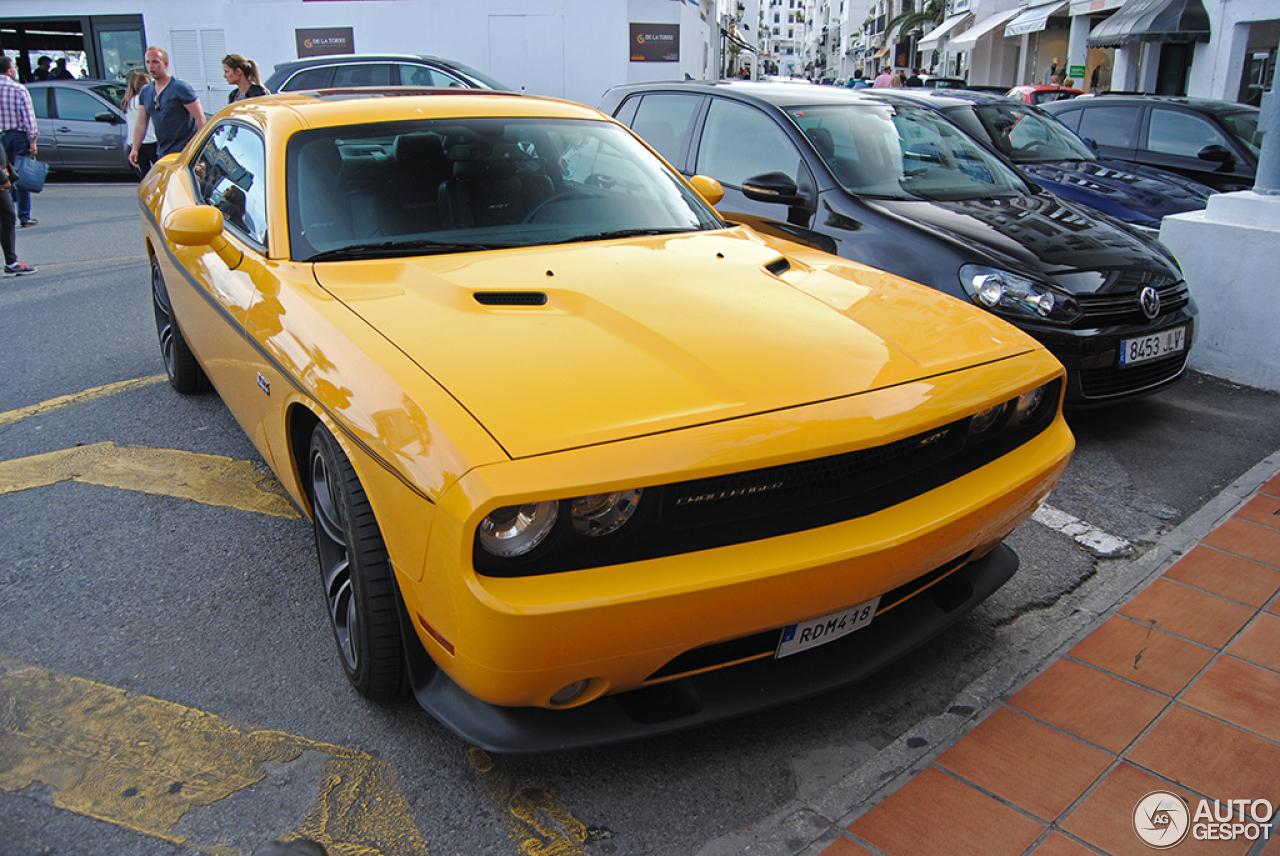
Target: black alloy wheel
<point x="359" y="586"/>
<point x="185" y="374"/>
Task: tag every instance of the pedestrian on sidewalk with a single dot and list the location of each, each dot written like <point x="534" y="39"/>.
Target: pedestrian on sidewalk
<point x="18" y="121"/>
<point x="9" y="223"/>
<point x="169" y="105"/>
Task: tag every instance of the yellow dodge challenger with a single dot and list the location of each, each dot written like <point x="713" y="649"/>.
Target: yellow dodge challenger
<point x="585" y="461"/>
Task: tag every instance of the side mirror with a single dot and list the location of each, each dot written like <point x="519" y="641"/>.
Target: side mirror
<point x="1093" y="144"/>
<point x="108" y="117"/>
<point x="710" y="189"/>
<point x="1216" y="154"/>
<point x="773" y="187"/>
<point x="201" y="226"/>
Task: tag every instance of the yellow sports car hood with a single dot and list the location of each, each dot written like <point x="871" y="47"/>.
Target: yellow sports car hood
<point x="558" y="347"/>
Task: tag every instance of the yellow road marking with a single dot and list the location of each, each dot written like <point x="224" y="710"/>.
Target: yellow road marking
<point x="210" y="479"/>
<point x="11" y="416"/>
<point x="533" y="820"/>
<point x="144" y="763"/>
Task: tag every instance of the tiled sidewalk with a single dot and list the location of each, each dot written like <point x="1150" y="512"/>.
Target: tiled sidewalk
<point x="1179" y="691"/>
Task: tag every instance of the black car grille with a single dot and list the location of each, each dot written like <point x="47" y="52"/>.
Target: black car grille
<point x="1122" y="306"/>
<point x="1124" y="380"/>
<point x="703" y="514"/>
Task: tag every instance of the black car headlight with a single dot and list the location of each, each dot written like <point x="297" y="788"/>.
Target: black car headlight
<point x="514" y="530"/>
<point x="1014" y="294"/>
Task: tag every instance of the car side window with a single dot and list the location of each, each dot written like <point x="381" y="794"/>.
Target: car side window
<point x="1173" y="132"/>
<point x="1110" y="126"/>
<point x="309" y="78"/>
<point x="40" y="100"/>
<point x="362" y="74"/>
<point x="739" y="142"/>
<point x="229" y="174"/>
<point x="421" y="75"/>
<point x="665" y="121"/>
<point x="74" y="105"/>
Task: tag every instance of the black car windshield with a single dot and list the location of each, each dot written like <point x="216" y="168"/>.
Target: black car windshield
<point x="458" y="185"/>
<point x="1027" y="136"/>
<point x="903" y="152"/>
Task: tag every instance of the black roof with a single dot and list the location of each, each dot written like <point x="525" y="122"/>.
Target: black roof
<point x="1207" y="105"/>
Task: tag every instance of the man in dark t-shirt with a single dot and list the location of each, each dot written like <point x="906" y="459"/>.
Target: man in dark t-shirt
<point x="171" y="105"/>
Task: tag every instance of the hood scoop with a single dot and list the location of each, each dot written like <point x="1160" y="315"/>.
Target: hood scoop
<point x="511" y="298"/>
<point x="779" y="266"/>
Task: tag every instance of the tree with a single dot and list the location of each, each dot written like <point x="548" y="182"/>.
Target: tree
<point x="930" y="12"/>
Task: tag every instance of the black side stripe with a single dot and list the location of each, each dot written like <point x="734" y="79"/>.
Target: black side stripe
<point x="275" y="364"/>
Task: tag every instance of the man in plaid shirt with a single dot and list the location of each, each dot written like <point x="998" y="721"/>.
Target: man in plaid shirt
<point x="18" y="122"/>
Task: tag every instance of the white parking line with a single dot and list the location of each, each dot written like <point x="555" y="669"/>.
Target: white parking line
<point x="1085" y="534"/>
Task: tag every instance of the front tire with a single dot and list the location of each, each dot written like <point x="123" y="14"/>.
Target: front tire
<point x="185" y="374"/>
<point x="359" y="585"/>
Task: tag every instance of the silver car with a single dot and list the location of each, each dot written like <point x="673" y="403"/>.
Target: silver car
<point x="81" y="125"/>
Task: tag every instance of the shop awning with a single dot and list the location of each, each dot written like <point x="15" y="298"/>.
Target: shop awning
<point x="880" y="54"/>
<point x="966" y="40"/>
<point x="1153" y="21"/>
<point x="931" y="39"/>
<point x="1033" y="19"/>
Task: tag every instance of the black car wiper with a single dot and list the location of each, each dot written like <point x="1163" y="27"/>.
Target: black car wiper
<point x="420" y="246"/>
<point x="627" y="233"/>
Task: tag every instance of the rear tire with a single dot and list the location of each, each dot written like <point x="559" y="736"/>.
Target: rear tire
<point x="359" y="585"/>
<point x="185" y="374"/>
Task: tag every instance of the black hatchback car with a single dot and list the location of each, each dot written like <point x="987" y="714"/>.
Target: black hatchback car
<point x="901" y="188"/>
<point x="1209" y="141"/>
<point x="343" y="70"/>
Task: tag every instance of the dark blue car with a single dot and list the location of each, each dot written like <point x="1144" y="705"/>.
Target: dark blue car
<point x="1063" y="163"/>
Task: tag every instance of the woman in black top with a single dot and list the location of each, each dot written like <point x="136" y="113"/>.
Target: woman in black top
<point x="243" y="74"/>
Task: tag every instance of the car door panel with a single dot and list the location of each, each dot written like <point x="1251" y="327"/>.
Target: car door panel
<point x="1173" y="140"/>
<point x="48" y="142"/>
<point x="83" y="141"/>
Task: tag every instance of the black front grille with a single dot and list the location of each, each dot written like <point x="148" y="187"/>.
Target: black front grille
<point x="703" y="514"/>
<point x="1125" y="380"/>
<point x="795" y="486"/>
<point x="1121" y="305"/>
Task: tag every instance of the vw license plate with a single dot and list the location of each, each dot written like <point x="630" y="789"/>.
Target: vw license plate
<point x="1153" y="347"/>
<point x="828" y="628"/>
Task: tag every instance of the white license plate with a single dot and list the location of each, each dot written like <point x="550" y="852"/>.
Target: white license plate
<point x="1153" y="347"/>
<point x="828" y="628"/>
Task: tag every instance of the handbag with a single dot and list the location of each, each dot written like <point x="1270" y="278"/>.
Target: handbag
<point x="31" y="173"/>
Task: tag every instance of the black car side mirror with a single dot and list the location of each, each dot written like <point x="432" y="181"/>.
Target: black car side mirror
<point x="1216" y="154"/>
<point x="773" y="187"/>
<point x="108" y="117"/>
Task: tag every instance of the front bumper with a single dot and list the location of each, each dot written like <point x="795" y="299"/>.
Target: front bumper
<point x="710" y="696"/>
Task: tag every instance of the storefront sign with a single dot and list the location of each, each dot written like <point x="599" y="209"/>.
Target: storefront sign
<point x="655" y="42"/>
<point x="321" y="42"/>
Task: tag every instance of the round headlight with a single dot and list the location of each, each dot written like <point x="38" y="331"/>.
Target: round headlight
<point x="602" y="513"/>
<point x="989" y="288"/>
<point x="1029" y="404"/>
<point x="514" y="530"/>
<point x="986" y="421"/>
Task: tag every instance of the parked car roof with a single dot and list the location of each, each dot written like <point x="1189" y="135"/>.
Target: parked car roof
<point x="465" y="74"/>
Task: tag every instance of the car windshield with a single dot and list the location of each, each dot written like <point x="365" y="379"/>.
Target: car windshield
<point x="452" y="185"/>
<point x="902" y="152"/>
<point x="1030" y="137"/>
<point x="1244" y="127"/>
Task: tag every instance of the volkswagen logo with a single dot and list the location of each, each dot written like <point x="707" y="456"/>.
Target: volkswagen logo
<point x="1150" y="300"/>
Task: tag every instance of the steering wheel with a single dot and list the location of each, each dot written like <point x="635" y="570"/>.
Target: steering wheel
<point x="551" y="200"/>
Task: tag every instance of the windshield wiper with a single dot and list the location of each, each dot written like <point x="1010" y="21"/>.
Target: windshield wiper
<point x="422" y="246"/>
<point x="628" y="233"/>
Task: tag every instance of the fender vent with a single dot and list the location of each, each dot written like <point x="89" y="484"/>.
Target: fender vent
<point x="511" y="298"/>
<point x="778" y="267"/>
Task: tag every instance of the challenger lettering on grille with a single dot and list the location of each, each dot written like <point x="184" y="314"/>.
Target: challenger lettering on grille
<point x="729" y="494"/>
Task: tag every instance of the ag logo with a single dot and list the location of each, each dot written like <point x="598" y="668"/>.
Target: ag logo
<point x="1161" y="819"/>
